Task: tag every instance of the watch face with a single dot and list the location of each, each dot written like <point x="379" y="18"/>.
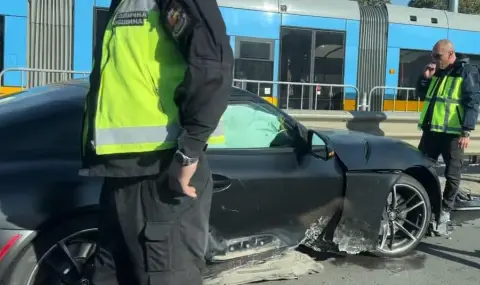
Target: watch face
<point x="180" y="158"/>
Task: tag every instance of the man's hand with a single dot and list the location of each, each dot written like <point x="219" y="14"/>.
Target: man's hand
<point x="463" y="142"/>
<point x="429" y="70"/>
<point x="179" y="178"/>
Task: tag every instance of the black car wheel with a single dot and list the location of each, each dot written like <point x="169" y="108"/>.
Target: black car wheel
<point x="57" y="257"/>
<point x="405" y="219"/>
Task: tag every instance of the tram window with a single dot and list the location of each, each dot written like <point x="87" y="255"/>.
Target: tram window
<point x="100" y="22"/>
<point x="412" y="62"/>
<point x="254" y="61"/>
<point x="253" y="50"/>
<point x="2" y="42"/>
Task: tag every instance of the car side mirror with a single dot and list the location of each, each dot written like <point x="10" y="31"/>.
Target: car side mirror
<point x="319" y="145"/>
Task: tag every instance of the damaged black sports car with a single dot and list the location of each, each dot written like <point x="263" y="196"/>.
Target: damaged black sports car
<point x="278" y="185"/>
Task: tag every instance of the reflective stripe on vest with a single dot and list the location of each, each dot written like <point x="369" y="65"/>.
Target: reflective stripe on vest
<point x="141" y="67"/>
<point x="447" y="114"/>
<point x="152" y="134"/>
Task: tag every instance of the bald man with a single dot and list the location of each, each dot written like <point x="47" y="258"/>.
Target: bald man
<point x="450" y="88"/>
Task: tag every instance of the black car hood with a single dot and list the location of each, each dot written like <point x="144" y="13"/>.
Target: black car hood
<point x="362" y="151"/>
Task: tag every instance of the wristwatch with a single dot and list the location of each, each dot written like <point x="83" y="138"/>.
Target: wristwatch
<point x="465" y="134"/>
<point x="184" y="160"/>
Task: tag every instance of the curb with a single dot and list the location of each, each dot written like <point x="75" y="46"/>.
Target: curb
<point x="470" y="178"/>
<point x="466" y="177"/>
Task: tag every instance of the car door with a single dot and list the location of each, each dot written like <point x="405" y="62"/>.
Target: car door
<point x="262" y="184"/>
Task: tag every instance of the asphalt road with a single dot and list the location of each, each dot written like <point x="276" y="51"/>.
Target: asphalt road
<point x="437" y="261"/>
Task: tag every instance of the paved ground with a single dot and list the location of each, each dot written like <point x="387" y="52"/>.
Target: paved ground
<point x="470" y="178"/>
<point x="470" y="183"/>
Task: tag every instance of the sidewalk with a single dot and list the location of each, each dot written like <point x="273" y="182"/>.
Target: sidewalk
<point x="470" y="183"/>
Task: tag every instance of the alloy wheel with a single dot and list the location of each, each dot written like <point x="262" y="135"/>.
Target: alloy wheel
<point x="404" y="219"/>
<point x="64" y="262"/>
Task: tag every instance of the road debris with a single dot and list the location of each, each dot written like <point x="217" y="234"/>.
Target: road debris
<point x="289" y="265"/>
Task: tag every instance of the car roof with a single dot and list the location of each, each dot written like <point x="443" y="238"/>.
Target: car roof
<point x="52" y="95"/>
<point x="237" y="94"/>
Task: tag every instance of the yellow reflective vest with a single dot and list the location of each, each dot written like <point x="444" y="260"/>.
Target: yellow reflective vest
<point x="140" y="70"/>
<point x="448" y="111"/>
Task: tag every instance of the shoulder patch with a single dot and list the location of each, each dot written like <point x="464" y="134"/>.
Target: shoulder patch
<point x="178" y="20"/>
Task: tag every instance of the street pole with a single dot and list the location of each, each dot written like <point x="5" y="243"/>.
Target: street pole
<point x="453" y="6"/>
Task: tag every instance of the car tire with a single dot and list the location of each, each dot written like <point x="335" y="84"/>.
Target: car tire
<point x="26" y="263"/>
<point x="414" y="185"/>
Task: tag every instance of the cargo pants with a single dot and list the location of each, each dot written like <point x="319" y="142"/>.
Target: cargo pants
<point x="432" y="144"/>
<point x="150" y="234"/>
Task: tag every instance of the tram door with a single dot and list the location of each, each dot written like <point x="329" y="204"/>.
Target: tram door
<point x="312" y="57"/>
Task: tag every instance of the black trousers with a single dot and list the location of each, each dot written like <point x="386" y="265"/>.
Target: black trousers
<point x="149" y="234"/>
<point x="433" y="144"/>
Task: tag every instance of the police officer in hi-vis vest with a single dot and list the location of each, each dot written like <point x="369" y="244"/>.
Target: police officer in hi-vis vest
<point x="160" y="83"/>
<point x="450" y="88"/>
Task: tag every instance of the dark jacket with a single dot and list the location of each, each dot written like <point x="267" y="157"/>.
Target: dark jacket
<point x="470" y="91"/>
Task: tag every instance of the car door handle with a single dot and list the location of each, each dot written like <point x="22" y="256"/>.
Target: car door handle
<point x="220" y="183"/>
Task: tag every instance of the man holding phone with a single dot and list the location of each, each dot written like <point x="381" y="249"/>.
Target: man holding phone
<point x="450" y="87"/>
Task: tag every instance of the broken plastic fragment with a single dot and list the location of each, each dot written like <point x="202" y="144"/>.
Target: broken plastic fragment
<point x="354" y="236"/>
<point x="289" y="265"/>
<point x="313" y="233"/>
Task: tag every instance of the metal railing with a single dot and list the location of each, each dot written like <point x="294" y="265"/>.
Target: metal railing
<point x="47" y="76"/>
<point x="290" y="95"/>
<point x="402" y="95"/>
<point x="320" y="96"/>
